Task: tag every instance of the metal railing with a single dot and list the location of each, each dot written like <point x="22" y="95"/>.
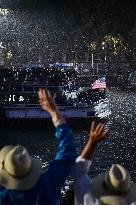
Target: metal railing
<point x="18" y="87"/>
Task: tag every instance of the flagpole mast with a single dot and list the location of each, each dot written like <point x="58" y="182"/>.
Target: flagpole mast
<point x="74" y="60"/>
<point x="92" y="61"/>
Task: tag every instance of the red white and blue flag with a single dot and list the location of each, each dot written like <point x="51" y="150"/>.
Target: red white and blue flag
<point x="100" y="83"/>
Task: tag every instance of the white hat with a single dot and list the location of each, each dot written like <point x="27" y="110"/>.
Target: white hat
<point x="114" y="187"/>
<point x="18" y="171"/>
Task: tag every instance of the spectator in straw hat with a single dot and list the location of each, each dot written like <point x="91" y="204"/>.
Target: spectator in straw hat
<point x="82" y="182"/>
<point x="112" y="188"/>
<point x="21" y="175"/>
<point x="115" y="187"/>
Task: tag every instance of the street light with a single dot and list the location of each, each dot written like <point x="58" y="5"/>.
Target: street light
<point x="104" y="48"/>
<point x="74" y="59"/>
<point x="92" y="47"/>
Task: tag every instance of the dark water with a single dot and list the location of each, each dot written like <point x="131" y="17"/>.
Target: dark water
<point x="120" y="148"/>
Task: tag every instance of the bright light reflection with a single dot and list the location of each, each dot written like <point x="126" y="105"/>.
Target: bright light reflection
<point x="4" y="11"/>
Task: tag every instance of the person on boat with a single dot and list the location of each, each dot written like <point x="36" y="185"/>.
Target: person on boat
<point x="21" y="176"/>
<point x="111" y="188"/>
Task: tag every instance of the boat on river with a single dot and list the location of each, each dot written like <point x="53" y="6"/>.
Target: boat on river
<point x="81" y="103"/>
<point x="19" y="99"/>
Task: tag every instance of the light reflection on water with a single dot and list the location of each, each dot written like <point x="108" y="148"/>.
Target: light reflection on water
<point x="120" y="148"/>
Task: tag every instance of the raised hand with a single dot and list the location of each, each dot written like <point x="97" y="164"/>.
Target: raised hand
<point x="98" y="132"/>
<point x="48" y="104"/>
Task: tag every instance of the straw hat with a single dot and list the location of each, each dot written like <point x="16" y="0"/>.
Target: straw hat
<point x="18" y="171"/>
<point x="114" y="187"/>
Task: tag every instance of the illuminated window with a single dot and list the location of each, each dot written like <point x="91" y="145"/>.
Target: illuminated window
<point x="4" y="11"/>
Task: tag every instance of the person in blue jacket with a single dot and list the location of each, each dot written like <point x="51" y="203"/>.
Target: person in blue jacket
<point x="21" y="175"/>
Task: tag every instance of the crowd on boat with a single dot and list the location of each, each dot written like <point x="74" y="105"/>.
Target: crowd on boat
<point x="19" y="86"/>
<point x="23" y="181"/>
<point x="52" y="76"/>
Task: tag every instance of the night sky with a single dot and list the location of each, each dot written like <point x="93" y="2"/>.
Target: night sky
<point x="117" y="16"/>
<point x="53" y="29"/>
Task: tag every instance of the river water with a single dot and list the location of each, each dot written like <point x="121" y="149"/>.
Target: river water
<point x="38" y="137"/>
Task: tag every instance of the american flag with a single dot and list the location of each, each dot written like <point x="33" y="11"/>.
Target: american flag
<point x="100" y="83"/>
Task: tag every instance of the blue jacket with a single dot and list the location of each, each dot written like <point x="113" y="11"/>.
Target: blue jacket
<point x="47" y="190"/>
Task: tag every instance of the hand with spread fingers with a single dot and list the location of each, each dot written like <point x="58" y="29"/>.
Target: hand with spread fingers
<point x="97" y="134"/>
<point x="48" y="104"/>
<point x="46" y="101"/>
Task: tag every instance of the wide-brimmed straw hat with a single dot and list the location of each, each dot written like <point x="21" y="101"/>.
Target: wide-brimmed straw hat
<point x="18" y="171"/>
<point x="114" y="187"/>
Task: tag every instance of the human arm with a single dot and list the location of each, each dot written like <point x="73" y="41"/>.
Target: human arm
<point x="63" y="133"/>
<point x="83" y="162"/>
<point x="48" y="104"/>
<point x="65" y="157"/>
<point x="60" y="168"/>
<point x="97" y="134"/>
